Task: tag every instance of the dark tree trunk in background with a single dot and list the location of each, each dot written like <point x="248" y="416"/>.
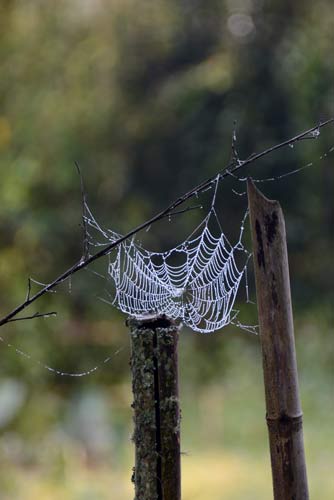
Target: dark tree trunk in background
<point x="284" y="414"/>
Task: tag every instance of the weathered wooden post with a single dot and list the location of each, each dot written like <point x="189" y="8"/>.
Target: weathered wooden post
<point x="284" y="414"/>
<point x="157" y="474"/>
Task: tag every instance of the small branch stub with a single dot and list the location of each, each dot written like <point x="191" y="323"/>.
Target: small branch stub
<point x="156" y="408"/>
<point x="284" y="414"/>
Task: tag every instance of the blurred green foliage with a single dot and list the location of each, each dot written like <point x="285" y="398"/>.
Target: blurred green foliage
<point x="144" y="95"/>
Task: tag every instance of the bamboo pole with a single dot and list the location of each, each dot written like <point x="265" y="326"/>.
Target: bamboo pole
<point x="157" y="474"/>
<point x="284" y="414"/>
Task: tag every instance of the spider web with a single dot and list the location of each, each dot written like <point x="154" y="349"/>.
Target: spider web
<point x="195" y="282"/>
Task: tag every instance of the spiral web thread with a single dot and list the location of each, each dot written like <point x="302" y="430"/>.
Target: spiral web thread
<point x="200" y="291"/>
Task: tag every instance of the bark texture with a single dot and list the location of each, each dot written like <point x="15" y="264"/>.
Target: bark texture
<point x="284" y="414"/>
<point x="156" y="408"/>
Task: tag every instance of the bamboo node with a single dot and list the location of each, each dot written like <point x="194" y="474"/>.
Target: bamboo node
<point x="285" y="423"/>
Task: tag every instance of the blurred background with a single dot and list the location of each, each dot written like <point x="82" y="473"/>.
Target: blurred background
<point x="144" y="95"/>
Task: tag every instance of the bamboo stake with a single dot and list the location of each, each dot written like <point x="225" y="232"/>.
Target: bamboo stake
<point x="157" y="474"/>
<point x="284" y="414"/>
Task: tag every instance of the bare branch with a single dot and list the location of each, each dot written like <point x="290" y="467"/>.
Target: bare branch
<point x="234" y="152"/>
<point x="36" y="315"/>
<point x="85" y="242"/>
<point x="188" y="209"/>
<point x="29" y="289"/>
<point x="200" y="188"/>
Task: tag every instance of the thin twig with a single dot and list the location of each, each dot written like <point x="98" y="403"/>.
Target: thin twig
<point x="234" y="152"/>
<point x="230" y="168"/>
<point x="36" y="315"/>
<point x="29" y="289"/>
<point x="85" y="241"/>
<point x="188" y="209"/>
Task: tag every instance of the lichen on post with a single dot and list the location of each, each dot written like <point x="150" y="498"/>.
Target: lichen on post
<point x="156" y="408"/>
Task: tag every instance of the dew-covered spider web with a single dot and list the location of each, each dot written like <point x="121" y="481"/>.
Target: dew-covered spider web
<point x="195" y="282"/>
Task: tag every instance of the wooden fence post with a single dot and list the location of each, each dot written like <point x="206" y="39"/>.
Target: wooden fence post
<point x="157" y="474"/>
<point x="284" y="415"/>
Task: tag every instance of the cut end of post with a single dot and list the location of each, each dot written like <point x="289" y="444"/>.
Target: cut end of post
<point x="152" y="322"/>
<point x="268" y="231"/>
<point x="255" y="194"/>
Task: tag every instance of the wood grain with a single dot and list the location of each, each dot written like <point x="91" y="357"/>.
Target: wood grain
<point x="284" y="414"/>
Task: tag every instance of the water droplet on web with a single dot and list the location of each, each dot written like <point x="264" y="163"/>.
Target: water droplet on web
<point x="315" y="133"/>
<point x="291" y="145"/>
